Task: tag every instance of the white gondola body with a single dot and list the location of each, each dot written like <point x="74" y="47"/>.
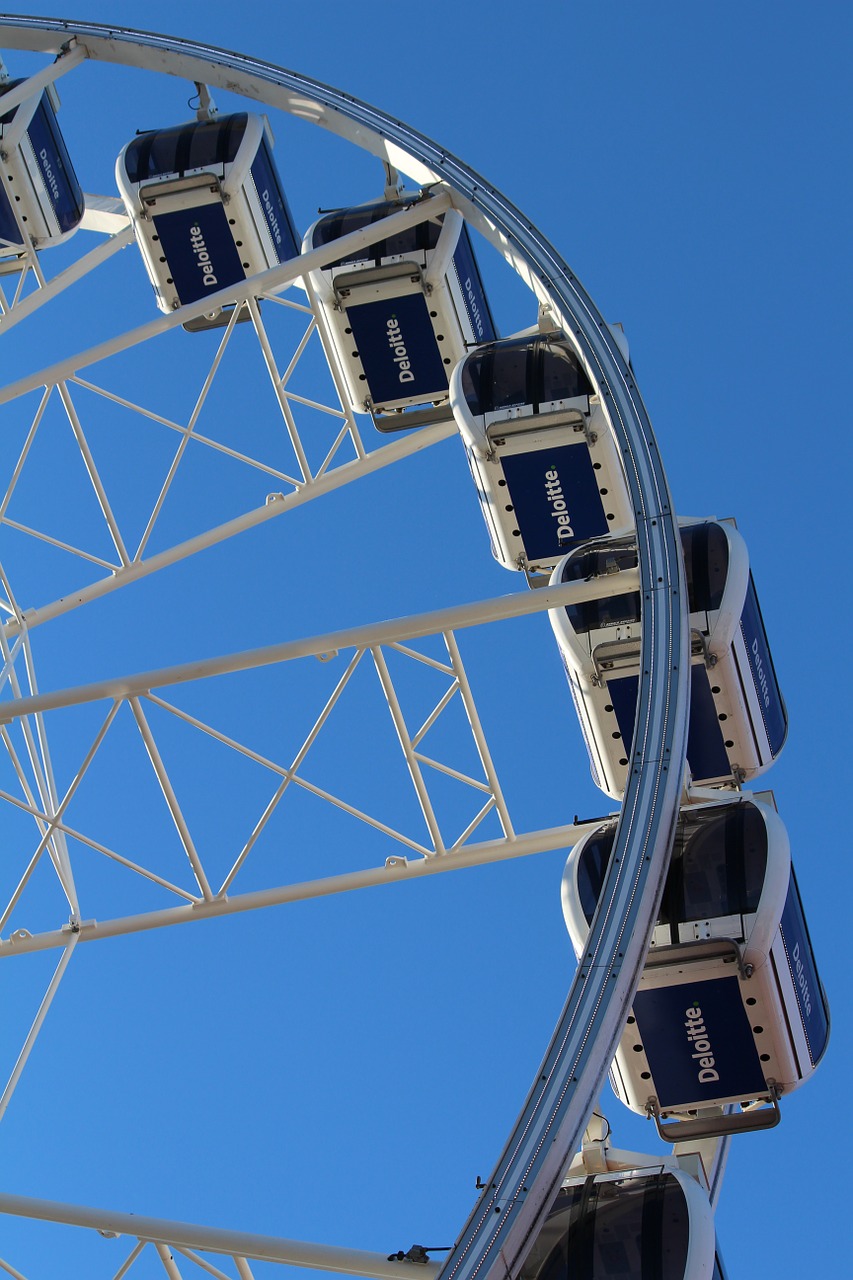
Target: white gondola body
<point x="541" y="450"/>
<point x="738" y="722"/>
<point x="396" y="316"/>
<point x="655" y="1221"/>
<point x="41" y="201"/>
<point x="207" y="206"/>
<point x="730" y="1008"/>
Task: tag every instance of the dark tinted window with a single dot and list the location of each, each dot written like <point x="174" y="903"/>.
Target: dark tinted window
<point x="503" y="375"/>
<point x="592" y="614"/>
<point x="592" y="869"/>
<point x="207" y="144"/>
<point x="343" y="221"/>
<point x="496" y="377"/>
<point x="718" y="865"/>
<point x="631" y="1229"/>
<point x="706" y="564"/>
<point x="559" y="373"/>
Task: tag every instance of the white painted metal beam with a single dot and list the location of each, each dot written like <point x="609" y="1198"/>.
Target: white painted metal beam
<point x="66" y="61"/>
<point x="276" y="505"/>
<point x="270" y="281"/>
<point x="295" y="1253"/>
<point x="396" y="870"/>
<point x="453" y="618"/>
<point x="69" y="276"/>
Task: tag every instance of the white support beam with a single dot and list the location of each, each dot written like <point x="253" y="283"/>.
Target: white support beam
<point x="364" y="637"/>
<point x="9" y="1270"/>
<point x="70" y="942"/>
<point x="276" y="505"/>
<point x="171" y="799"/>
<point x="53" y="287"/>
<point x="276" y="278"/>
<point x="477" y="730"/>
<point x="66" y="61"/>
<point x="164" y="1253"/>
<point x="104" y="214"/>
<point x="202" y="1263"/>
<point x="412" y="761"/>
<point x="396" y="870"/>
<point x="186" y="1235"/>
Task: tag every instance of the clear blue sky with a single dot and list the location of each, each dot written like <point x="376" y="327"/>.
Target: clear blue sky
<point x="344" y="1070"/>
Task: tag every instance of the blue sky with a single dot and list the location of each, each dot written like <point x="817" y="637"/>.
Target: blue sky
<point x="343" y="1070"/>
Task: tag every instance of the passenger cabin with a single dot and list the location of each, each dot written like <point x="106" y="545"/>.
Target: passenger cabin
<point x="541" y="450"/>
<point x="738" y="722"/>
<point x="41" y="200"/>
<point x="730" y="1008"/>
<point x="396" y="315"/>
<point x="636" y="1224"/>
<point x="207" y="207"/>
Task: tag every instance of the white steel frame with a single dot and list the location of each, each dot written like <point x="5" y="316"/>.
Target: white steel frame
<point x="517" y="1196"/>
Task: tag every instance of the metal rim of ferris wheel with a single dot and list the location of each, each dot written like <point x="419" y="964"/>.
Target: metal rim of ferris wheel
<point x="528" y="1173"/>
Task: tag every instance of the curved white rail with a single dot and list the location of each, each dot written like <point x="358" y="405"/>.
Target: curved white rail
<point x="527" y="1176"/>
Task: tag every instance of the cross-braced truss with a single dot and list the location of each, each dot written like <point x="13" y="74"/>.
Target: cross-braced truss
<point x="109" y="519"/>
<point x="418" y="685"/>
<point x="52" y="813"/>
<point x="306" y="446"/>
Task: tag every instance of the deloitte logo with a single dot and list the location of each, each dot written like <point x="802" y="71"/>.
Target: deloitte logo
<point x="759" y="672"/>
<point x="559" y="509"/>
<point x="697" y="1035"/>
<point x="202" y="257"/>
<point x="802" y="981"/>
<point x="401" y="355"/>
<point x="271" y="218"/>
<point x="476" y="316"/>
<point x="49" y="176"/>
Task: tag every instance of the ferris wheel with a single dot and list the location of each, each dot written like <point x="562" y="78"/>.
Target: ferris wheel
<point x="217" y="414"/>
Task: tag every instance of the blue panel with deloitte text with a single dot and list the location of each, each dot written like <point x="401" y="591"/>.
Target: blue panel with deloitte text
<point x="556" y="499"/>
<point x="699" y="1042"/>
<point x="398" y="350"/>
<point x="763" y="673"/>
<point x="199" y="249"/>
<point x="473" y="295"/>
<point x="801" y="962"/>
<point x="274" y="205"/>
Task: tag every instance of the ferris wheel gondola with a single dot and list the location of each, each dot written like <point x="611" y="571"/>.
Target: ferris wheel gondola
<point x="207" y="206"/>
<point x="730" y="1007"/>
<point x="541" y="450"/>
<point x="633" y="1224"/>
<point x="41" y="200"/>
<point x="397" y="315"/>
<point x="738" y="721"/>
